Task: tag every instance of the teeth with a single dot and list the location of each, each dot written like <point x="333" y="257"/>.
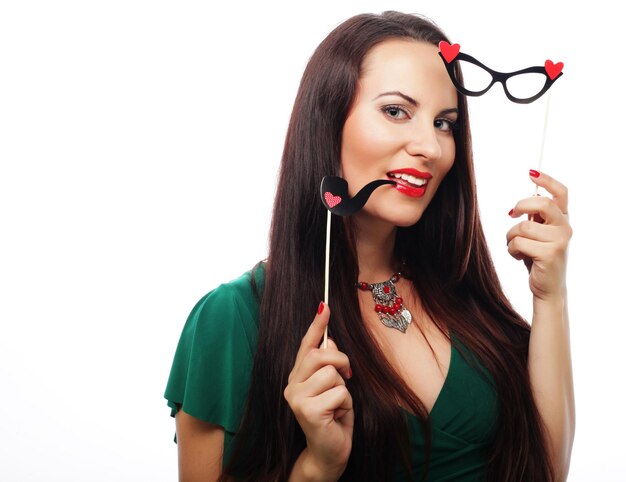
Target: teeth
<point x="412" y="179"/>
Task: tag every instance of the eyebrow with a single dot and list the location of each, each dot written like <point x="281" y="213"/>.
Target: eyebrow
<point x="399" y="94"/>
<point x="449" y="111"/>
<point x="412" y="101"/>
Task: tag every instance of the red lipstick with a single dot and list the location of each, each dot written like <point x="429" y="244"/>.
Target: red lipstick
<point x="412" y="172"/>
<point x="407" y="188"/>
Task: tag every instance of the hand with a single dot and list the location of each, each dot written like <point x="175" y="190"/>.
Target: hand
<point x="542" y="240"/>
<point x="319" y="399"/>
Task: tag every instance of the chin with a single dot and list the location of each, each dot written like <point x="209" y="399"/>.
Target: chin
<point x="400" y="216"/>
<point x="405" y="223"/>
<point x="408" y="217"/>
<point x="404" y="220"/>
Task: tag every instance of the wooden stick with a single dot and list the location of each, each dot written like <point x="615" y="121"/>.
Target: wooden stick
<point x="543" y="139"/>
<point x="326" y="269"/>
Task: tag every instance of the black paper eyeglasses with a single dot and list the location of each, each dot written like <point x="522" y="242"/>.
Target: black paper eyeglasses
<point x="523" y="86"/>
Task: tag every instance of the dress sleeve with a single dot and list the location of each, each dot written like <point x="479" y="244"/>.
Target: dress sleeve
<point x="212" y="366"/>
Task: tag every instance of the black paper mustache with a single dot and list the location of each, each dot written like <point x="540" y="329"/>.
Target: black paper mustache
<point x="334" y="193"/>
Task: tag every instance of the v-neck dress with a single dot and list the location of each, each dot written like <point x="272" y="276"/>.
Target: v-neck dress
<point x="210" y="377"/>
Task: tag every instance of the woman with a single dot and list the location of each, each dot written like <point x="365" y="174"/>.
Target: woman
<point x="467" y="391"/>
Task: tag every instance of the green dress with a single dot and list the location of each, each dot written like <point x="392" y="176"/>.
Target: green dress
<point x="211" y="371"/>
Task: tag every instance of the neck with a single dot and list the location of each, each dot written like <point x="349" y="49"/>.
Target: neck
<point x="375" y="242"/>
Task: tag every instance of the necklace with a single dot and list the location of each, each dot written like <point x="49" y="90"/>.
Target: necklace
<point x="388" y="304"/>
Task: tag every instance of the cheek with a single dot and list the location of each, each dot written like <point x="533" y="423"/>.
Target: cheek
<point x="449" y="155"/>
<point x="363" y="140"/>
<point x="445" y="164"/>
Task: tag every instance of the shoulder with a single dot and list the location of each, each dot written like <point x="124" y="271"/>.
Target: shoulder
<point x="212" y="365"/>
<point x="240" y="289"/>
<point x="231" y="308"/>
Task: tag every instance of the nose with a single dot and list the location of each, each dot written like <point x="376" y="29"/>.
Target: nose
<point x="424" y="142"/>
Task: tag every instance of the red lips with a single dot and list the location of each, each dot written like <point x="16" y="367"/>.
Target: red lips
<point x="404" y="187"/>
<point x="411" y="191"/>
<point x="412" y="172"/>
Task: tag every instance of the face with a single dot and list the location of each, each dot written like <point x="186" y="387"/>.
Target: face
<point x="400" y="128"/>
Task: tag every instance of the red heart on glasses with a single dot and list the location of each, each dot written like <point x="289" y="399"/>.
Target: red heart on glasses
<point x="331" y="200"/>
<point x="448" y="51"/>
<point x="552" y="69"/>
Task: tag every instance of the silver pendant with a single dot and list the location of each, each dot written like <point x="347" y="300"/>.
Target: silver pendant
<point x="399" y="321"/>
<point x="388" y="304"/>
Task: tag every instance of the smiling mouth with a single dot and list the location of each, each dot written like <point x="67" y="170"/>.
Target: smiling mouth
<point x="410" y="181"/>
<point x="407" y="179"/>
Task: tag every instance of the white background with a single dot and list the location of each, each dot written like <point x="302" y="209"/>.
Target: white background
<point x="139" y="145"/>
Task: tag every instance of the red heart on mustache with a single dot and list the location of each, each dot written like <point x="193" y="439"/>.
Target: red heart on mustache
<point x="331" y="200"/>
<point x="448" y="51"/>
<point x="552" y="69"/>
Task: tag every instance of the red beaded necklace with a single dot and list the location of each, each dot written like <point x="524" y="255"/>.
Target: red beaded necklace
<point x="388" y="304"/>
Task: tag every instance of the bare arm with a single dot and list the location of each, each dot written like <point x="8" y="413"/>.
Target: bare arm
<point x="550" y="368"/>
<point x="200" y="452"/>
<point x="200" y="449"/>
<point x="542" y="243"/>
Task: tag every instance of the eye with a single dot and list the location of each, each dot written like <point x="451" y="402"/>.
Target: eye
<point x="446" y="125"/>
<point x="396" y="112"/>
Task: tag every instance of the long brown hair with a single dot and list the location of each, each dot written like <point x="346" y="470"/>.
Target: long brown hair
<point x="457" y="284"/>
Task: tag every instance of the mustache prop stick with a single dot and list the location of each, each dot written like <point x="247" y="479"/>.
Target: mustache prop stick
<point x="335" y="197"/>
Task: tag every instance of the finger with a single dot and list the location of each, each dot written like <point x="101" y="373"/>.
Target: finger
<point x="542" y="206"/>
<point x="322" y="380"/>
<point x="533" y="230"/>
<point x="313" y="406"/>
<point x="312" y="337"/>
<point x="337" y="398"/>
<point x="315" y="332"/>
<point x="341" y="397"/>
<point x="521" y="248"/>
<point x="317" y="358"/>
<point x="536" y="217"/>
<point x="554" y="187"/>
<point x="346" y="372"/>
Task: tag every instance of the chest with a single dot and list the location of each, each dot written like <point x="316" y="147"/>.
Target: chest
<point x="421" y="356"/>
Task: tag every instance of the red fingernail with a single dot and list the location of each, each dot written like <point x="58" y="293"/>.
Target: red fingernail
<point x="511" y="212"/>
<point x="534" y="173"/>
<point x="320" y="308"/>
<point x="349" y="372"/>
